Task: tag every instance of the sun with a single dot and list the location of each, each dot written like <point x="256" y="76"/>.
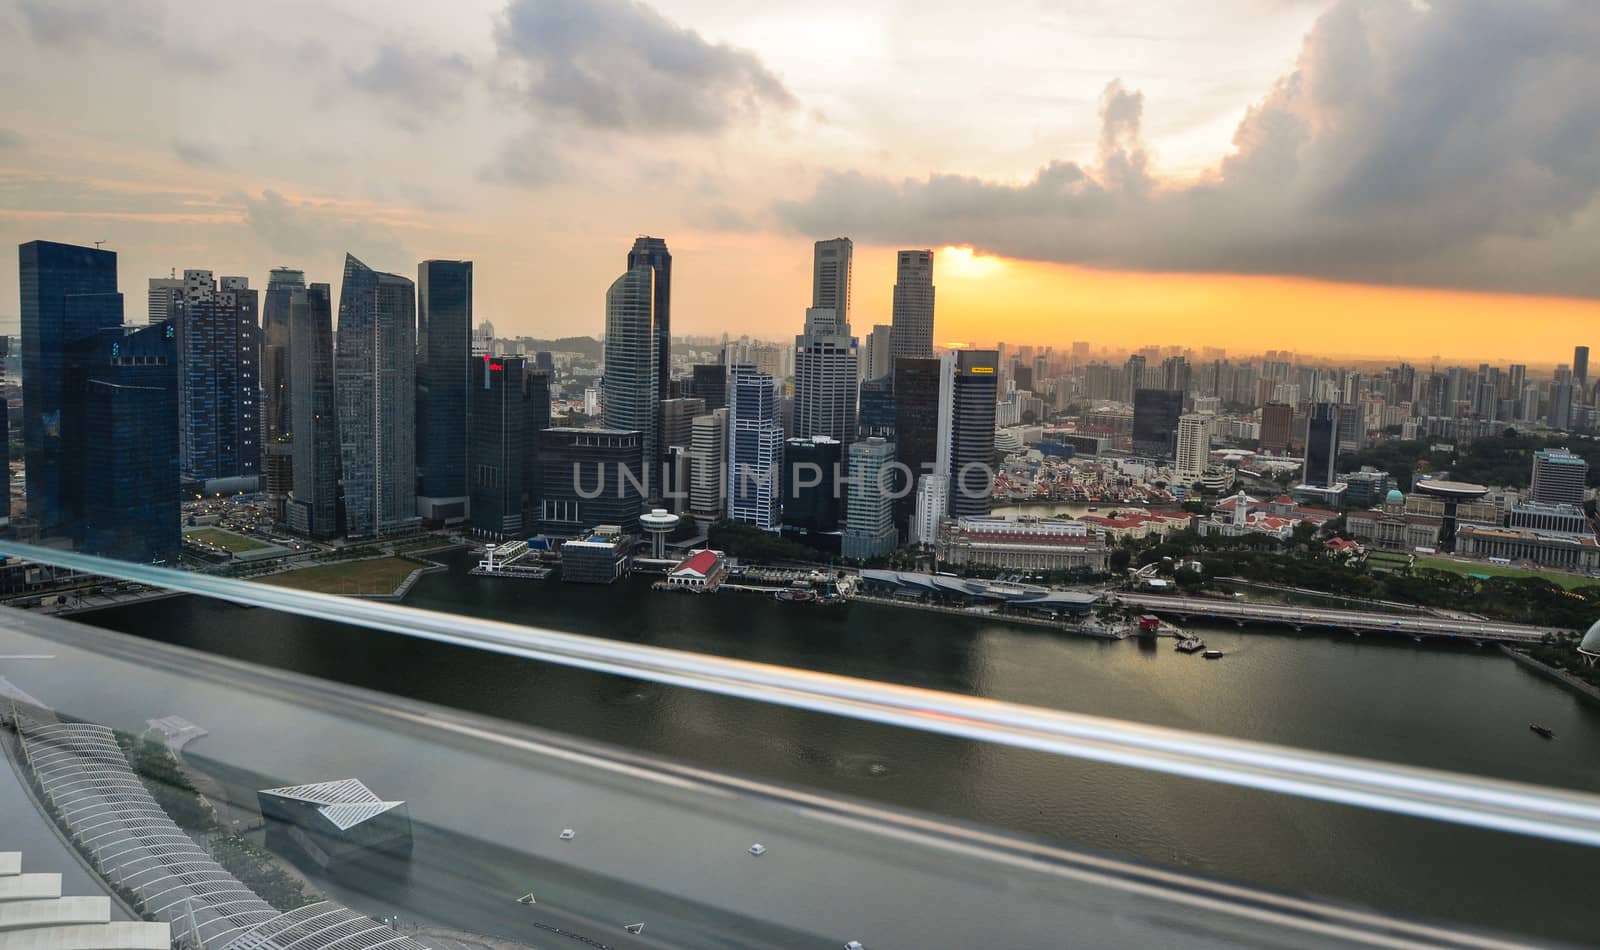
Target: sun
<point x="963" y="263"/>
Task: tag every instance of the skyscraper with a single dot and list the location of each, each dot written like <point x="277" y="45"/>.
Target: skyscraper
<point x="830" y="278"/>
<point x="652" y="252"/>
<point x="1322" y="445"/>
<point x="120" y="421"/>
<point x="163" y="293"/>
<point x="973" y="376"/>
<point x="916" y="428"/>
<point x="375" y="380"/>
<point x="869" y="523"/>
<point x="312" y="507"/>
<point x="912" y="334"/>
<point x="1155" y="421"/>
<point x="1277" y="425"/>
<point x="589" y="477"/>
<point x="710" y="383"/>
<point x="708" y="454"/>
<point x="632" y="382"/>
<point x="277" y="452"/>
<point x="677" y="420"/>
<point x="879" y="358"/>
<point x="825" y="378"/>
<point x="1194" y="445"/>
<point x="1559" y="477"/>
<point x="755" y="448"/>
<point x="67" y="293"/>
<point x="219" y="385"/>
<point x="1580" y="368"/>
<point x="497" y="412"/>
<point x="812" y="477"/>
<point x="444" y="345"/>
<point x="876" y="411"/>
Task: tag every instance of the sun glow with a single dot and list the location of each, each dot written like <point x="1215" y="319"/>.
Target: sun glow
<point x="963" y="263"/>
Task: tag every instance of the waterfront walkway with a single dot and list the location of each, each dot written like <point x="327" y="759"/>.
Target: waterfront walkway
<point x="1355" y="621"/>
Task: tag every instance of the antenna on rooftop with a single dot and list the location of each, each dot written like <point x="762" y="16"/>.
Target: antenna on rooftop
<point x="97" y="244"/>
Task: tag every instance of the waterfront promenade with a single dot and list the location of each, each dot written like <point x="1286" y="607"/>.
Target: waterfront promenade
<point x="1355" y="621"/>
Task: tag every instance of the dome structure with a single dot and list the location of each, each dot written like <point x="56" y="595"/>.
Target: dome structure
<point x="1590" y="644"/>
<point x="1394" y="497"/>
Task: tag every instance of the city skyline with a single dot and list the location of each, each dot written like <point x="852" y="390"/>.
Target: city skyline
<point x="1168" y="118"/>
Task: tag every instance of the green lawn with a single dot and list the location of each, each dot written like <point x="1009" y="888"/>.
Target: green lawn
<point x="377" y="576"/>
<point x="227" y="540"/>
<point x="1569" y="581"/>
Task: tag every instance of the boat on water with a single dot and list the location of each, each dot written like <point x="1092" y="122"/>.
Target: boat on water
<point x="567" y="834"/>
<point x="1543" y="732"/>
<point x="1190" y="644"/>
<point x="797" y="595"/>
<point x="1213" y="654"/>
<point x="527" y="899"/>
<point x="758" y="849"/>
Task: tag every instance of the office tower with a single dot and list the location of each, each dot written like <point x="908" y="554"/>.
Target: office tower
<point x="589" y="476"/>
<point x="878" y="361"/>
<point x="755" y="448"/>
<point x="1022" y="375"/>
<point x="1132" y="376"/>
<point x="375" y="379"/>
<point x="709" y="382"/>
<point x="1194" y="446"/>
<point x="1516" y="378"/>
<point x="120" y="438"/>
<point x="812" y="480"/>
<point x="869" y="522"/>
<point x="652" y="252"/>
<point x="973" y="378"/>
<point x="497" y="408"/>
<point x="916" y="428"/>
<point x="677" y="420"/>
<point x="277" y="452"/>
<point x="1561" y="397"/>
<point x="1322" y="445"/>
<point x="632" y="390"/>
<point x="219" y="385"/>
<point x="825" y="378"/>
<point x="444" y="350"/>
<point x="67" y="293"/>
<point x="1528" y="407"/>
<point x="545" y="362"/>
<point x="708" y="454"/>
<point x="876" y="415"/>
<point x="535" y="420"/>
<point x="830" y="278"/>
<point x="312" y="507"/>
<point x="911" y="335"/>
<point x="1559" y="477"/>
<point x="1580" y="368"/>
<point x="5" y="448"/>
<point x="1176" y="374"/>
<point x="932" y="505"/>
<point x="163" y="293"/>
<point x="1155" y="421"/>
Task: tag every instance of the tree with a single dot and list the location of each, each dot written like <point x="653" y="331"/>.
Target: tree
<point x="1120" y="558"/>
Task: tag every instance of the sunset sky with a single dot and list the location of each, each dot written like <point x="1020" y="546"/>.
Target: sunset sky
<point x="1377" y="177"/>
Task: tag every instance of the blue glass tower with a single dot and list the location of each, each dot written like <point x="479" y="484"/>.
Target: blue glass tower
<point x="375" y="382"/>
<point x="444" y="343"/>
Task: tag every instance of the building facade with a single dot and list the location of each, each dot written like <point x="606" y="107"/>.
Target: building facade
<point x="1023" y="544"/>
<point x="912" y="317"/>
<point x="812" y="480"/>
<point x="755" y="449"/>
<point x="444" y="376"/>
<point x="825" y="373"/>
<point x="312" y="507"/>
<point x="708" y="454"/>
<point x="277" y="452"/>
<point x="589" y="476"/>
<point x="869" y="526"/>
<point x="972" y="379"/>
<point x="1155" y="422"/>
<point x="375" y="384"/>
<point x="632" y="390"/>
<point x="1322" y="445"/>
<point x="219" y="384"/>
<point x="1559" y="477"/>
<point x="497" y="425"/>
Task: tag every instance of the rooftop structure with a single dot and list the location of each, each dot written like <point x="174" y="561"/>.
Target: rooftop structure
<point x="336" y="822"/>
<point x="909" y="585"/>
<point x="700" y="571"/>
<point x="34" y="914"/>
<point x="658" y="524"/>
<point x="1452" y="494"/>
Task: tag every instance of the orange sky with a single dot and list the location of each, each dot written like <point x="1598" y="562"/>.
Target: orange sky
<point x="985" y="299"/>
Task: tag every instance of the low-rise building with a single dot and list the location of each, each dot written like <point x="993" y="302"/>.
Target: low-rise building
<point x="702" y="570"/>
<point x="1242" y="515"/>
<point x="1565" y="551"/>
<point x="1137" y="523"/>
<point x="1393" y="527"/>
<point x="598" y="558"/>
<point x="1027" y="544"/>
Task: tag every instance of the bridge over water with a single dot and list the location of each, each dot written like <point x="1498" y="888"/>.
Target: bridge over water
<point x="1355" y="621"/>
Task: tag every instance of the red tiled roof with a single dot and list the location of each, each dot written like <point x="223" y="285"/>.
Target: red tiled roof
<point x="702" y="563"/>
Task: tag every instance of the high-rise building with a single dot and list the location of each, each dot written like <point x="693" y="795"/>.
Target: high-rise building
<point x="677" y="420"/>
<point x="825" y="378"/>
<point x="755" y="448"/>
<point x="1194" y="445"/>
<point x="1561" y="399"/>
<point x="163" y="293"/>
<point x="878" y="361"/>
<point x="708" y="454"/>
<point x="709" y="381"/>
<point x="277" y="451"/>
<point x="1277" y="425"/>
<point x="932" y="507"/>
<point x="1559" y="477"/>
<point x="497" y="411"/>
<point x="1322" y="445"/>
<point x="1580" y="367"/>
<point x="375" y="379"/>
<point x="812" y="478"/>
<point x="652" y="252"/>
<point x="830" y="278"/>
<point x="444" y="348"/>
<point x="535" y="421"/>
<point x="967" y="438"/>
<point x="916" y="428"/>
<point x="1133" y="376"/>
<point x="589" y="477"/>
<point x="219" y="384"/>
<point x="312" y="507"/>
<point x="632" y="391"/>
<point x="869" y="522"/>
<point x="876" y="412"/>
<point x="120" y="426"/>
<point x="1155" y="421"/>
<point x="67" y="293"/>
<point x="912" y="333"/>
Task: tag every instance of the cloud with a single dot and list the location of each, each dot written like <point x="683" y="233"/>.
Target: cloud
<point x="531" y="160"/>
<point x="121" y="24"/>
<point x="421" y="79"/>
<point x="618" y="64"/>
<point x="1456" y="144"/>
<point x="304" y="229"/>
<point x="197" y="154"/>
<point x="10" y="138"/>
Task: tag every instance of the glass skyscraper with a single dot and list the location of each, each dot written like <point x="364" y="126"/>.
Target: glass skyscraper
<point x="444" y="346"/>
<point x="755" y="449"/>
<point x="375" y="382"/>
<point x="67" y="293"/>
<point x="974" y="380"/>
<point x="632" y="382"/>
<point x="911" y="333"/>
<point x="313" y="504"/>
<point x="277" y="455"/>
<point x="218" y="336"/>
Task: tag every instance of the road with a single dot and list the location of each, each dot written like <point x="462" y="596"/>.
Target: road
<point x="1358" y="621"/>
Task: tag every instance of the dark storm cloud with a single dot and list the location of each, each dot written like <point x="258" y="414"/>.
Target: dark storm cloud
<point x="1454" y="145"/>
<point x="618" y="64"/>
<point x="421" y="79"/>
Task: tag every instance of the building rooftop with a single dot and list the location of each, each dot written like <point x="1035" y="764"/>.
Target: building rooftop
<point x="345" y="803"/>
